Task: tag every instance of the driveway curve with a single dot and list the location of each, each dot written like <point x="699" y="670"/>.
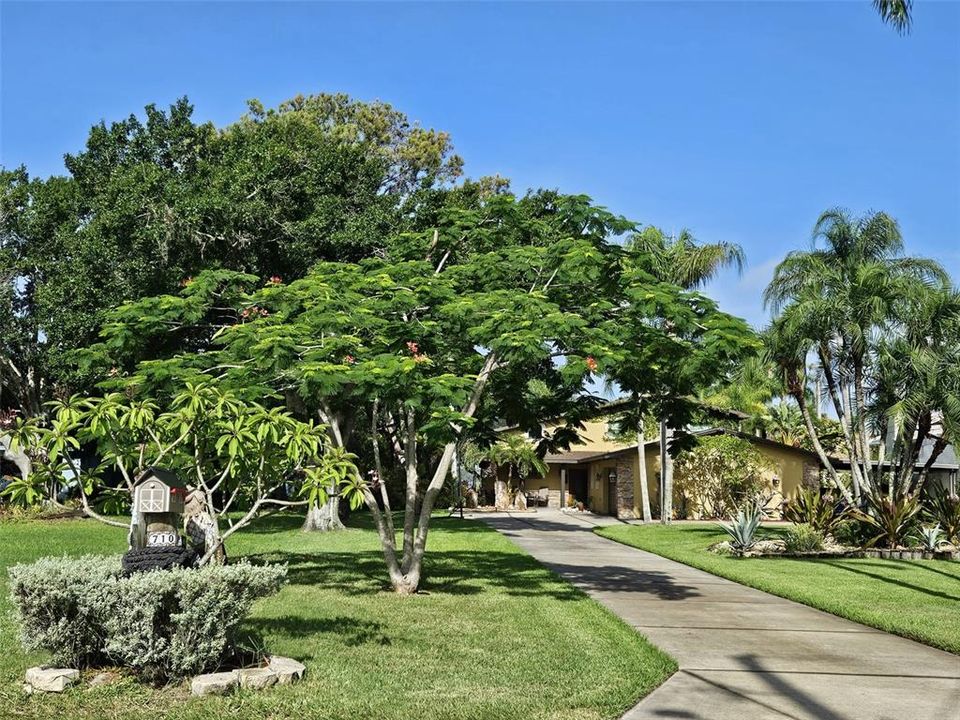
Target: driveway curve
<point x="743" y="653"/>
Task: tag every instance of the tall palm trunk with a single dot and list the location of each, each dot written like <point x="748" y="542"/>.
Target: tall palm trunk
<point x="642" y="469"/>
<point x="666" y="474"/>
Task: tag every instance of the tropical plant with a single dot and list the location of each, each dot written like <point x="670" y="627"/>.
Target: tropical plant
<point x="845" y="303"/>
<point x="518" y="455"/>
<point x="817" y="510"/>
<point x="742" y="529"/>
<point x="891" y="522"/>
<point x="930" y="537"/>
<point x="896" y="13"/>
<point x="161" y="197"/>
<point x="784" y="423"/>
<point x="803" y="538"/>
<point x="942" y="508"/>
<point x="852" y="532"/>
<point x="683" y="261"/>
<point x="233" y="454"/>
<point x="25" y="492"/>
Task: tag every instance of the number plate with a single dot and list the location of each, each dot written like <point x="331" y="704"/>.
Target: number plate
<point x="159" y="539"/>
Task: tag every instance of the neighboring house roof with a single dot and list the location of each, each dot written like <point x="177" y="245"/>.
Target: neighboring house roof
<point x="582" y="456"/>
<point x="607" y="407"/>
<point x="573" y="457"/>
<point x="946" y="461"/>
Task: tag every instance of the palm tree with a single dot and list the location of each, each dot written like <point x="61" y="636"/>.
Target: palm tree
<point x="896" y="13"/>
<point x="784" y="423"/>
<point x="518" y="455"/>
<point x="834" y="301"/>
<point x="681" y="261"/>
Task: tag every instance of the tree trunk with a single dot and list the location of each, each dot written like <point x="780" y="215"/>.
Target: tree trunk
<point x="202" y="530"/>
<point x="798" y="394"/>
<point x="644" y="490"/>
<point x="666" y="474"/>
<point x="323" y="518"/>
<point x="501" y="499"/>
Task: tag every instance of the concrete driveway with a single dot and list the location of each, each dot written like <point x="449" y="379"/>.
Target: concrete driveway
<point x="742" y="653"/>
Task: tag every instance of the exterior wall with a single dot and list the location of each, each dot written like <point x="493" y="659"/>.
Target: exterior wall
<point x="594" y="436"/>
<point x="791" y="470"/>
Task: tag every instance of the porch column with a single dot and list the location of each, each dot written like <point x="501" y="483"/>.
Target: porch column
<point x="563" y="488"/>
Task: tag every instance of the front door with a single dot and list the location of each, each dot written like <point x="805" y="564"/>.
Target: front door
<point x="612" y="495"/>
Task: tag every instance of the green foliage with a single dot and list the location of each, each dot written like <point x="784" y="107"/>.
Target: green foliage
<point x="851" y="532"/>
<point x="158" y="199"/>
<point x="819" y="511"/>
<point x="454" y="331"/>
<point x="742" y="529"/>
<point x="516" y="451"/>
<point x="237" y="453"/>
<point x="25" y="493"/>
<point x="930" y="537"/>
<point x="334" y="472"/>
<point x="891" y="521"/>
<point x="897" y="13"/>
<point x="803" y="538"/>
<point x="162" y="624"/>
<point x="941" y="508"/>
<point x="720" y="473"/>
<point x="884" y="330"/>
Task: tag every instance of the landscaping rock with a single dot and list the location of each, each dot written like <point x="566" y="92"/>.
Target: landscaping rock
<point x="214" y="683"/>
<point x="51" y="679"/>
<point x="104" y="678"/>
<point x="286" y="669"/>
<point x="257" y="678"/>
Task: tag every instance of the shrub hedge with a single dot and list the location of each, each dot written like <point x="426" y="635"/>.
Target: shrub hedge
<point x="162" y="624"/>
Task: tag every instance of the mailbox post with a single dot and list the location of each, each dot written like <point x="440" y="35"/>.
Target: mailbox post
<point x="155" y="540"/>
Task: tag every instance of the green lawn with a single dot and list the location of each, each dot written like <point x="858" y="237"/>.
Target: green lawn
<point x="916" y="599"/>
<point x="495" y="635"/>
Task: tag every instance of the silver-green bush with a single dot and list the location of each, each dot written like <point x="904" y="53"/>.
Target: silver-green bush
<point x="803" y="538"/>
<point x="163" y="624"/>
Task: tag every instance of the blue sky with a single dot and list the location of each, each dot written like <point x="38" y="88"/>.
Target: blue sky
<point x="740" y="121"/>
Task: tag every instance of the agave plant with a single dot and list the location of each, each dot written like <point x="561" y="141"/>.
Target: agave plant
<point x="931" y="538"/>
<point x="943" y="509"/>
<point x="892" y="521"/>
<point x="743" y="528"/>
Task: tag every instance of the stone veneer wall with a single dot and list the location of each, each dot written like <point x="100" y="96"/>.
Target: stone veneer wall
<point x="625" y="489"/>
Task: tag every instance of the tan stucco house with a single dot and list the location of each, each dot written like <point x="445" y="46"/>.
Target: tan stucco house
<point x="604" y="475"/>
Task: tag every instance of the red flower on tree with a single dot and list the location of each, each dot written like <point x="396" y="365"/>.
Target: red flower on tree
<point x="591" y="364"/>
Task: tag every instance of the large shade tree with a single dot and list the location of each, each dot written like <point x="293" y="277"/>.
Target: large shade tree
<point x="151" y="201"/>
<point x="501" y="312"/>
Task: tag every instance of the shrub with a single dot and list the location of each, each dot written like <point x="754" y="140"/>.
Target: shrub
<point x="163" y="624"/>
<point x="803" y="538"/>
<point x="820" y="512"/>
<point x="943" y="509"/>
<point x="721" y="473"/>
<point x="61" y="605"/>
<point x="743" y="528"/>
<point x="851" y="532"/>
